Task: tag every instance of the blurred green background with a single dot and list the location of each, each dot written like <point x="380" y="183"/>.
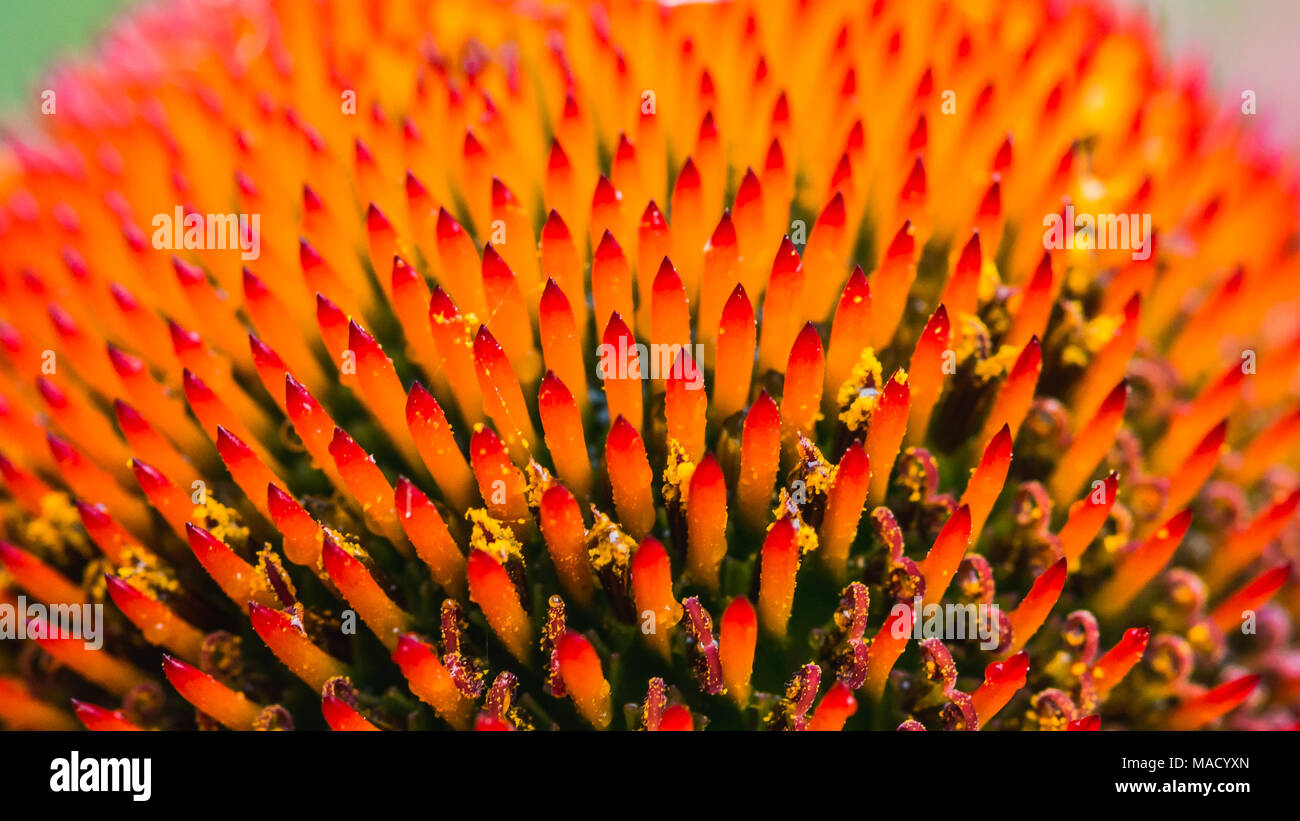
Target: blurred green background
<point x="37" y="31"/>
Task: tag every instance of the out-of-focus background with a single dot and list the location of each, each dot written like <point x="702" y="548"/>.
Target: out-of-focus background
<point x="1247" y="44"/>
<point x="36" y="31"/>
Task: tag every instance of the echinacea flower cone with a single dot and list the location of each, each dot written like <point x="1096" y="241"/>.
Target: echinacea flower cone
<point x="614" y="365"/>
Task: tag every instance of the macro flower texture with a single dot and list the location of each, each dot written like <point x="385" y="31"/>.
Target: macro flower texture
<point x="752" y="365"/>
